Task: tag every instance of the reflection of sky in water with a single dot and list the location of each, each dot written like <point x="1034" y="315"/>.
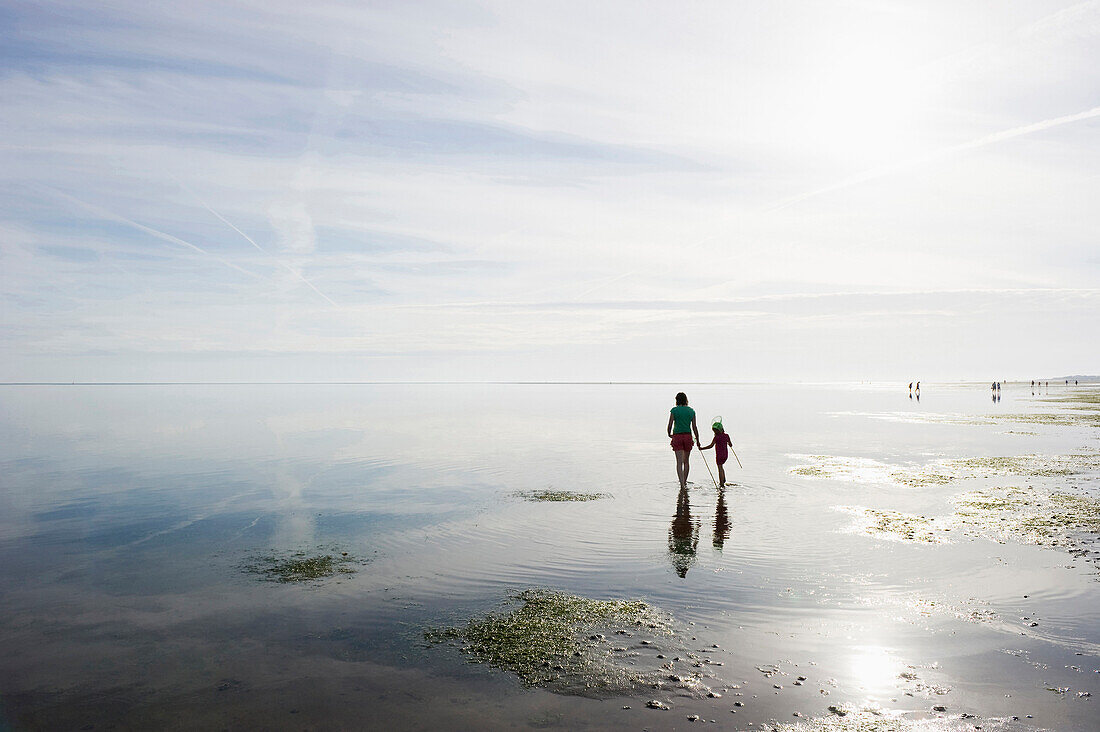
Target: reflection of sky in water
<point x="127" y="513"/>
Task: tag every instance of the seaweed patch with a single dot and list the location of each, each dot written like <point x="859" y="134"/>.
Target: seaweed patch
<point x="903" y="526"/>
<point x="1085" y="398"/>
<point x="946" y="472"/>
<point x="576" y="645"/>
<point x="300" y="566"/>
<point x="558" y="496"/>
<point x="1028" y="515"/>
<point x="1064" y="418"/>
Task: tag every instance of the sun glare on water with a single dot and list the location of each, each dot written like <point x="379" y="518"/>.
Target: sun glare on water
<point x="874" y="670"/>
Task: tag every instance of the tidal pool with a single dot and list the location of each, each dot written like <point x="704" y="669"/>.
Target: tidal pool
<point x="173" y="557"/>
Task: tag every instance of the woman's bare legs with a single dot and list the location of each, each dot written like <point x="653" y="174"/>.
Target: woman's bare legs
<point x="682" y="466"/>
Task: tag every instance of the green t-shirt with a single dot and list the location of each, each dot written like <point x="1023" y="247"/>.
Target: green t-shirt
<point x="681" y="419"/>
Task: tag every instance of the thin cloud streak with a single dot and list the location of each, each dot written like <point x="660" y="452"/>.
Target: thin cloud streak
<point x="683" y="304"/>
<point x="111" y="216"/>
<point x="941" y="154"/>
<point x="286" y="266"/>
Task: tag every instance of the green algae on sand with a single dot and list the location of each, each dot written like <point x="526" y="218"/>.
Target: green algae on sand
<point x="553" y="639"/>
<point x="558" y="496"/>
<point x="1033" y="516"/>
<point x="1067" y="418"/>
<point x="946" y="472"/>
<point x="1028" y="515"/>
<point x="300" y="566"/>
<point x="907" y="526"/>
<point x="1087" y="398"/>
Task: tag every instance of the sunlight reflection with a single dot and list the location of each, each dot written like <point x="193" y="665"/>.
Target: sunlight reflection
<point x="873" y="668"/>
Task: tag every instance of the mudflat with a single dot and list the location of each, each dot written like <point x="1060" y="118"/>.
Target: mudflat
<point x="197" y="556"/>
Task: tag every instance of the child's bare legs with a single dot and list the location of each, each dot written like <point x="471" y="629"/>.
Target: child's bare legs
<point x="721" y="474"/>
<point x="682" y="467"/>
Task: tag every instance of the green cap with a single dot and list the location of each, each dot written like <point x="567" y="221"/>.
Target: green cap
<point x="717" y="426"/>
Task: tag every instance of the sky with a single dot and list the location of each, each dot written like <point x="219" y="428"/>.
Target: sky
<point x="592" y="191"/>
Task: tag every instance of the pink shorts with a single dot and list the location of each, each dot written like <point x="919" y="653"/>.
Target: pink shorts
<point x="682" y="441"/>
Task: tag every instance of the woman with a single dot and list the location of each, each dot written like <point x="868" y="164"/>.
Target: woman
<point x="681" y="423"/>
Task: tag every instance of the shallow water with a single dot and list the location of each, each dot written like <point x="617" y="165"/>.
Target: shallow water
<point x="130" y="514"/>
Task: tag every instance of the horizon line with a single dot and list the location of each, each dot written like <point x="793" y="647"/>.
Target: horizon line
<point x="589" y="382"/>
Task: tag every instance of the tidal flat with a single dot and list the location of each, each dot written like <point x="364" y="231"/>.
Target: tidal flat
<point x="259" y="556"/>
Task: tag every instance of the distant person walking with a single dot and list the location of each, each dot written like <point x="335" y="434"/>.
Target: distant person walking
<point x="681" y="423"/>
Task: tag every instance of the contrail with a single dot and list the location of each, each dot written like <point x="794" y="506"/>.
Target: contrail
<point x="249" y="239"/>
<point x="941" y="153"/>
<point x="602" y="285"/>
<point x="112" y="216"/>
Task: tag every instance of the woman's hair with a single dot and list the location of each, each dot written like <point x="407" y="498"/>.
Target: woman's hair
<point x="681" y="399"/>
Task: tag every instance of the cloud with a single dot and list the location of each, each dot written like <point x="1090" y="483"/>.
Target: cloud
<point x="492" y="178"/>
<point x="991" y="139"/>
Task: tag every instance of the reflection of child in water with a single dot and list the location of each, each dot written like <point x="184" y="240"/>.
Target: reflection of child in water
<point x="720" y="443"/>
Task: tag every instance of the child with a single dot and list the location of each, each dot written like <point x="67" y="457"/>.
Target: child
<point x="720" y="442"/>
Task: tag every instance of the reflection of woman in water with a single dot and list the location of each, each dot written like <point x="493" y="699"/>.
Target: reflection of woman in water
<point x="683" y="536"/>
<point x="681" y="423"/>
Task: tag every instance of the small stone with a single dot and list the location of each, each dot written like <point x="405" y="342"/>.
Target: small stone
<point x="693" y="717"/>
<point x="626" y="707"/>
<point x="656" y="704"/>
<point x="796" y="683"/>
<point x="801" y="678"/>
<point x="714" y="695"/>
<point x="777" y="686"/>
<point x="660" y="655"/>
<point x="739" y="704"/>
<point x="797" y="714"/>
<point x="939" y="708"/>
<point x="838" y="711"/>
<point x="646" y="643"/>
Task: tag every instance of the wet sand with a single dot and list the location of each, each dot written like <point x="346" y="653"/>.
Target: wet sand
<point x="879" y="563"/>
